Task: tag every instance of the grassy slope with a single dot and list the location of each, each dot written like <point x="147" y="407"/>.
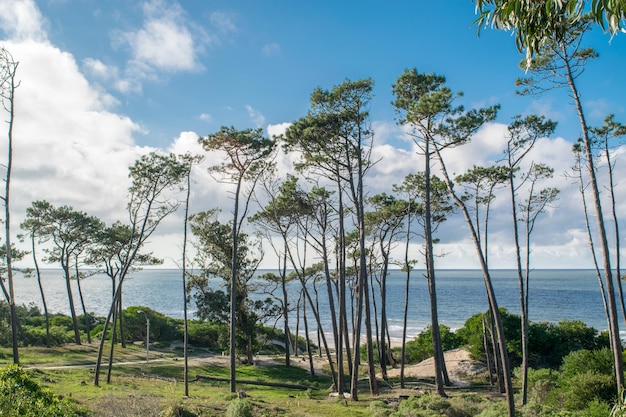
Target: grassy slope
<point x="157" y="385"/>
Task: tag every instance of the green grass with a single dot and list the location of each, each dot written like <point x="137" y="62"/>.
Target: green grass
<point x="157" y="385"/>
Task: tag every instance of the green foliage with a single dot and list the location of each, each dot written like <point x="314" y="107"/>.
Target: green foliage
<point x="421" y="347"/>
<point x="240" y="408"/>
<point x="548" y="343"/>
<point x="162" y="328"/>
<point x="21" y="396"/>
<point x="585" y="382"/>
<point x="496" y="410"/>
<point x="578" y="362"/>
<point x="208" y="334"/>
<point x="619" y="408"/>
<point x="424" y="406"/>
<point x="577" y="391"/>
<point x="471" y="334"/>
<point x="378" y="409"/>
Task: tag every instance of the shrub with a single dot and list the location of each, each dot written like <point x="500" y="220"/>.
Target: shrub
<point x="578" y="391"/>
<point x="471" y="334"/>
<point x="421" y="347"/>
<point x="496" y="410"/>
<point x="20" y="395"/>
<point x="239" y="408"/>
<point x="425" y="406"/>
<point x="541" y="382"/>
<point x="162" y="328"/>
<point x="548" y="343"/>
<point x="206" y="334"/>
<point x="378" y="409"/>
<point x="581" y="361"/>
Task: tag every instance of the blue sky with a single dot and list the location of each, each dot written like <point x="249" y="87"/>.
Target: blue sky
<point x="106" y="81"/>
<point x="269" y="56"/>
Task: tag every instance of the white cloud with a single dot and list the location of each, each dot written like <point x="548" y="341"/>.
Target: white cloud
<point x="277" y="130"/>
<point x="21" y="20"/>
<point x="255" y="116"/>
<point x="69" y="148"/>
<point x="206" y="117"/>
<point x="165" y="41"/>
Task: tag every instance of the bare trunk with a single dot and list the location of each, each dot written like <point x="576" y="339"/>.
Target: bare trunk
<point x="233" y="293"/>
<point x="285" y="302"/>
<point x="68" y="286"/>
<point x="604" y="245"/>
<point x="8" y="95"/>
<point x="487" y="353"/>
<point x="308" y="341"/>
<point x="504" y="356"/>
<point x="40" y="285"/>
<point x="82" y="303"/>
<point x="522" y="284"/>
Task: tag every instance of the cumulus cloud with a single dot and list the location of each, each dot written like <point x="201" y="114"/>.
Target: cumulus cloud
<point x="69" y="148"/>
<point x="165" y="41"/>
<point x="21" y="20"/>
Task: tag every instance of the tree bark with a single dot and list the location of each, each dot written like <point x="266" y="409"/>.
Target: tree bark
<point x="604" y="245"/>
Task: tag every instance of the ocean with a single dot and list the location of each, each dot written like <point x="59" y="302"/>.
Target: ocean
<point x="555" y="295"/>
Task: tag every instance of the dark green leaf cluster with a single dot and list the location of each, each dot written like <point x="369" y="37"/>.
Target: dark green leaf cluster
<point x="21" y="395"/>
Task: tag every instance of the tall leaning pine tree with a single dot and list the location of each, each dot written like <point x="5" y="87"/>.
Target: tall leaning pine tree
<point x="248" y="154"/>
<point x="8" y="84"/>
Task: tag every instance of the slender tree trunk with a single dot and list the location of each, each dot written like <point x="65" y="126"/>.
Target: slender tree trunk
<point x="295" y="342"/>
<point x="233" y="293"/>
<point x="68" y="286"/>
<point x="407" y="266"/>
<point x="107" y="322"/>
<point x="121" y="318"/>
<point x="318" y="321"/>
<point x="371" y="365"/>
<point x="594" y="257"/>
<point x="618" y="272"/>
<point x="379" y="332"/>
<point x="341" y="276"/>
<point x="504" y="356"/>
<point x="522" y="287"/>
<point x="487" y="353"/>
<point x="285" y="301"/>
<point x="184" y="280"/>
<point x="317" y="307"/>
<point x="604" y="245"/>
<point x="40" y="285"/>
<point x="82" y="303"/>
<point x="307" y="340"/>
<point x="441" y="376"/>
<point x="8" y="94"/>
<point x="110" y="368"/>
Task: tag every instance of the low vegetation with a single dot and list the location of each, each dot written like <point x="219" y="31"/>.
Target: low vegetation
<point x="571" y="375"/>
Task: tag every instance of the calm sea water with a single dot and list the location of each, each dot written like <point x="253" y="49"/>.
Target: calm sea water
<point x="554" y="295"/>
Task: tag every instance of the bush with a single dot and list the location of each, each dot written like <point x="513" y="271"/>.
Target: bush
<point x="578" y="391"/>
<point x="239" y="408"/>
<point x="207" y="334"/>
<point x="541" y="382"/>
<point x="425" y="406"/>
<point x="471" y="335"/>
<point x="581" y="361"/>
<point x="21" y="396"/>
<point x="162" y="328"/>
<point x="548" y="343"/>
<point x="421" y="347"/>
